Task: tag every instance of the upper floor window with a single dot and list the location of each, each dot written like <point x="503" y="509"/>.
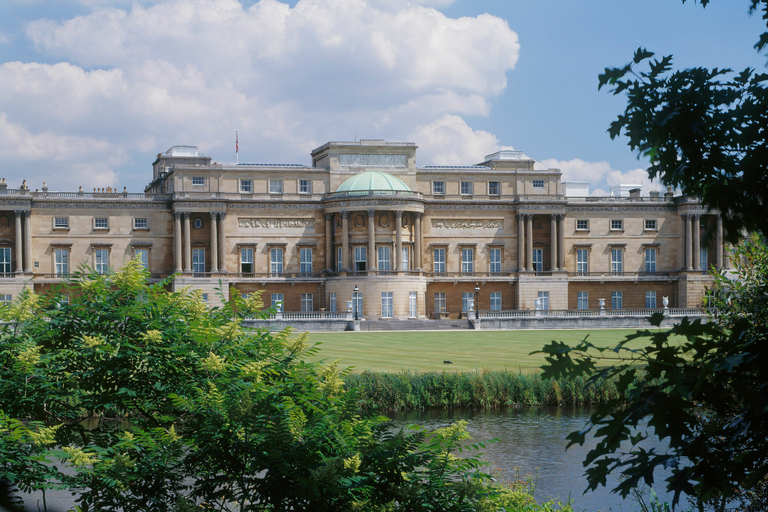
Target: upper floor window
<point x="538" y="183"/>
<point x="384" y="258"/>
<point x="617" y="225"/>
<point x="650" y="224"/>
<point x="582" y="261"/>
<point x="276" y="260"/>
<point x="246" y="260"/>
<point x="650" y="260"/>
<point x="5" y="260"/>
<point x="140" y="223"/>
<point x="101" y="223"/>
<point x="538" y="260"/>
<point x="246" y="186"/>
<point x="198" y="180"/>
<point x="467" y="188"/>
<point x="360" y="258"/>
<point x="305" y="255"/>
<point x="495" y="259"/>
<point x="305" y="186"/>
<point x="101" y="260"/>
<point x="143" y="256"/>
<point x="494" y="188"/>
<point x="467" y="260"/>
<point x="61" y="261"/>
<point x="438" y="188"/>
<point x="275" y="186"/>
<point x="61" y="222"/>
<point x="582" y="225"/>
<point x="617" y="261"/>
<point x="438" y="261"/>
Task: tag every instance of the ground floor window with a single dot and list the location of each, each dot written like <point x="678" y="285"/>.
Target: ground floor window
<point x="582" y="300"/>
<point x="467" y="301"/>
<point x="495" y="301"/>
<point x="440" y="302"/>
<point x="412" y="305"/>
<point x="306" y="303"/>
<point x="386" y="304"/>
<point x="544" y="300"/>
<point x="357" y="304"/>
<point x="617" y="300"/>
<point x="332" y="302"/>
<point x="277" y="301"/>
<point x="650" y="300"/>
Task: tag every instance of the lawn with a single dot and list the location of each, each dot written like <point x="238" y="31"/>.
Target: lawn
<point x="425" y="351"/>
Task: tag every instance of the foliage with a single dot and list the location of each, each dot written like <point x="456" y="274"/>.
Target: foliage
<point x="703" y="130"/>
<point x="707" y="396"/>
<point x="154" y="402"/>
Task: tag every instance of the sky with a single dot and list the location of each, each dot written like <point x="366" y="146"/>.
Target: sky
<point x="92" y="90"/>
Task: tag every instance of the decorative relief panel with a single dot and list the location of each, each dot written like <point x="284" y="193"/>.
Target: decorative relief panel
<point x="466" y="224"/>
<point x="373" y="160"/>
<point x="276" y="223"/>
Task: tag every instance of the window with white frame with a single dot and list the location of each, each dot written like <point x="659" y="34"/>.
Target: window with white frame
<point x="467" y="188"/>
<point x="413" y="305"/>
<point x="305" y="186"/>
<point x="438" y="188"/>
<point x="101" y="223"/>
<point x="404" y="258"/>
<point x="277" y="301"/>
<point x="582" y="261"/>
<point x="198" y="261"/>
<point x="142" y="254"/>
<point x="467" y="301"/>
<point x="140" y="223"/>
<point x="305" y="255"/>
<point x="339" y="259"/>
<point x="276" y="260"/>
<point x="198" y="180"/>
<point x="617" y="224"/>
<point x="495" y="301"/>
<point x="204" y="297"/>
<point x="6" y="298"/>
<point x="494" y="188"/>
<point x="650" y="225"/>
<point x="332" y="301"/>
<point x="246" y="186"/>
<point x="703" y="258"/>
<point x="245" y="296"/>
<point x="306" y="303"/>
<point x="495" y="260"/>
<point x="246" y="260"/>
<point x="617" y="300"/>
<point x="467" y="260"/>
<point x="582" y="225"/>
<point x="384" y="252"/>
<point x="198" y="223"/>
<point x="61" y="222"/>
<point x="543" y="300"/>
<point x="650" y="300"/>
<point x="360" y="258"/>
<point x="101" y="260"/>
<point x="5" y="260"/>
<point x="438" y="260"/>
<point x="650" y="260"/>
<point x="61" y="261"/>
<point x="617" y="260"/>
<point x="582" y="300"/>
<point x="386" y="305"/>
<point x="538" y="183"/>
<point x="357" y="304"/>
<point x="538" y="260"/>
<point x="440" y="302"/>
<point x="275" y="186"/>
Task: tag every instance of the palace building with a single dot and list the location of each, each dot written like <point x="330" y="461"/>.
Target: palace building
<point x="417" y="242"/>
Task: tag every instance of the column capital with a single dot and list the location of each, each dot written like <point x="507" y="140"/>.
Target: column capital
<point x="371" y="212"/>
<point x="214" y="215"/>
<point x="185" y="214"/>
<point x="398" y="213"/>
<point x="328" y="216"/>
<point x="696" y="216"/>
<point x="177" y="215"/>
<point x="344" y="214"/>
<point x="554" y="216"/>
<point x="684" y="216"/>
<point x="222" y="215"/>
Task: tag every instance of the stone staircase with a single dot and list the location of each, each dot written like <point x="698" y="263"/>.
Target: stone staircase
<point x="413" y="325"/>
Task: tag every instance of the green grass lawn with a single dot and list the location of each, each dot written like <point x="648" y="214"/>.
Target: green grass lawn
<point x="425" y="351"/>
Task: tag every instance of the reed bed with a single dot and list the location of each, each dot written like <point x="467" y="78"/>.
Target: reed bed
<point x="411" y="390"/>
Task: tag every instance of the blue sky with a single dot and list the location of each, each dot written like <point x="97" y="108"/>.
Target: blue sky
<point x="92" y="90"/>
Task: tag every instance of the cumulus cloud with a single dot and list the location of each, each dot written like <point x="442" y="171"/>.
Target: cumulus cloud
<point x="449" y="140"/>
<point x="601" y="176"/>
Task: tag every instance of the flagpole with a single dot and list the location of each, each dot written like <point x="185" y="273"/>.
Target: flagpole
<point x="237" y="148"/>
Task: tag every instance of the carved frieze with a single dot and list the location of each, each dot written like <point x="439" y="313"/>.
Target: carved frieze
<point x="254" y="223"/>
<point x="467" y="223"/>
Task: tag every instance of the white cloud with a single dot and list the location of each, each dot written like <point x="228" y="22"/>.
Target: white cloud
<point x="601" y="176"/>
<point x="449" y="140"/>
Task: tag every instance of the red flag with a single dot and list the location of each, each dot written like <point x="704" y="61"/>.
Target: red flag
<point x="237" y="143"/>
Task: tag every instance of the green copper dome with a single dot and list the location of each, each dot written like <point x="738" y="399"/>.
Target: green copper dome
<point x="372" y="180"/>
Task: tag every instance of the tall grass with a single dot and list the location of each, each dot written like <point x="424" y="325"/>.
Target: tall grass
<point x="409" y="390"/>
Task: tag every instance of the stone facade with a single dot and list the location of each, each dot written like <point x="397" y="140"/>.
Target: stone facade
<point x="501" y="231"/>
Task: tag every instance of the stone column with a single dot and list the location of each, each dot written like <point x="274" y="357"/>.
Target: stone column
<point x="177" y="242"/>
<point x="371" y="263"/>
<point x="345" y="240"/>
<point x="521" y="241"/>
<point x="214" y="243"/>
<point x="696" y="242"/>
<point x="719" y="243"/>
<point x="19" y="244"/>
<point x="223" y="243"/>
<point x="328" y="242"/>
<point x="399" y="240"/>
<point x="417" y="245"/>
<point x="28" y="242"/>
<point x="561" y="241"/>
<point x="187" y="244"/>
<point x="553" y="241"/>
<point x="687" y="244"/>
<point x="529" y="241"/>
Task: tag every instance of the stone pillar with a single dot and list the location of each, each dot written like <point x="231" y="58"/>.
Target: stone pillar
<point x="177" y="242"/>
<point x="417" y="245"/>
<point x="187" y="244"/>
<point x="28" y="242"/>
<point x="223" y="243"/>
<point x="520" y="242"/>
<point x="214" y="243"/>
<point x="345" y="240"/>
<point x="561" y="241"/>
<point x="19" y="244"/>
<point x="687" y="244"/>
<point x="529" y="241"/>
<point x="696" y="242"/>
<point x="328" y="242"/>
<point x="553" y="241"/>
<point x="719" y="243"/>
<point x="371" y="263"/>
<point x="399" y="240"/>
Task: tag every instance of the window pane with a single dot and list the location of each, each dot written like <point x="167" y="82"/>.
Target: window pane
<point x="440" y="302"/>
<point x="495" y="301"/>
<point x="386" y="304"/>
<point x="404" y="259"/>
<point x="246" y="260"/>
<point x="101" y="260"/>
<point x="384" y="254"/>
<point x="277" y="300"/>
<point x="276" y="260"/>
<point x="495" y="260"/>
<point x="538" y="260"/>
<point x="650" y="300"/>
<point x="582" y="261"/>
<point x="494" y="188"/>
<point x="61" y="260"/>
<point x="650" y="260"/>
<point x="616" y="300"/>
<point x="438" y="187"/>
<point x="467" y="260"/>
<point x="332" y="301"/>
<point x="306" y="303"/>
<point x="582" y="300"/>
<point x="616" y="260"/>
<point x="439" y="260"/>
<point x="467" y="301"/>
<point x="306" y="260"/>
<point x="5" y="260"/>
<point x="275" y="186"/>
<point x="543" y="300"/>
<point x="412" y="305"/>
<point x="198" y="261"/>
<point x="360" y="258"/>
<point x="339" y="259"/>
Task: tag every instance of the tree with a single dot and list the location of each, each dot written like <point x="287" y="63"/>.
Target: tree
<point x="154" y="402"/>
<point x="703" y="130"/>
